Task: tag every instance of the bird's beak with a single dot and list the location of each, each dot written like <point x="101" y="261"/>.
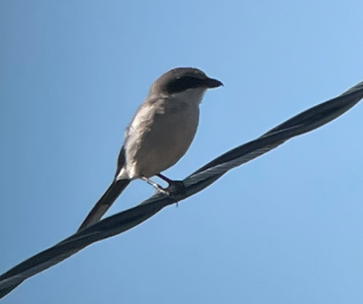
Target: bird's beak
<point x="212" y="83"/>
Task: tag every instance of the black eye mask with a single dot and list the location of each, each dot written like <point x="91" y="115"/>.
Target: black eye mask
<point x="183" y="83"/>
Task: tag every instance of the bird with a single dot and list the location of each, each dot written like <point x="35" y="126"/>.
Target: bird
<point x="159" y="134"/>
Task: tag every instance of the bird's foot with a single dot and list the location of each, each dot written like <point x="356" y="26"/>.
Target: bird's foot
<point x="174" y="187"/>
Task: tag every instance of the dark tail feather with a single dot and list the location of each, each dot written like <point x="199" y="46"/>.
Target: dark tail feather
<point x="105" y="202"/>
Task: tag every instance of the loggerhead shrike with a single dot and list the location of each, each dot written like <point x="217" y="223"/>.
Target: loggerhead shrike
<point x="159" y="134"/>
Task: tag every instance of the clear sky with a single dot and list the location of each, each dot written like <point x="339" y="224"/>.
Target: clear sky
<point x="285" y="228"/>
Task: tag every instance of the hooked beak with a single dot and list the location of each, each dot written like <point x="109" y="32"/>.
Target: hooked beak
<point x="211" y="83"/>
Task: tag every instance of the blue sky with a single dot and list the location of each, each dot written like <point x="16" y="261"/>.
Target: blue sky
<point x="285" y="228"/>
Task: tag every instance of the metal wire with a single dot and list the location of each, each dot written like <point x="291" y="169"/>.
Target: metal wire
<point x="304" y="122"/>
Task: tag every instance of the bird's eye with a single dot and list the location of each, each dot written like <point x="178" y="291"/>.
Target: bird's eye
<point x="181" y="84"/>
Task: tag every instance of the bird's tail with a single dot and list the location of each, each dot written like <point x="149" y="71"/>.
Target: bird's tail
<point x="105" y="202"/>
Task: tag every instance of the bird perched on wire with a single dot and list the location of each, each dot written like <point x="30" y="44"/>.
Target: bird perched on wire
<point x="159" y="134"/>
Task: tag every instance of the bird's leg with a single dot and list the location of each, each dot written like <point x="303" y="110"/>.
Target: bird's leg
<point x="173" y="185"/>
<point x="155" y="185"/>
<point x="164" y="178"/>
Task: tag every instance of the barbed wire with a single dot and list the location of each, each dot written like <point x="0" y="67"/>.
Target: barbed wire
<point x="302" y="123"/>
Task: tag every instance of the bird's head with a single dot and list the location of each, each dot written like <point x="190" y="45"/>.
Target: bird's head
<point x="179" y="80"/>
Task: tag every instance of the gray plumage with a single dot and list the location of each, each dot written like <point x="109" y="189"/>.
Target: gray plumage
<point x="160" y="133"/>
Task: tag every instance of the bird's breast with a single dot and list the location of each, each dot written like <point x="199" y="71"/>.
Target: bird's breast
<point x="166" y="137"/>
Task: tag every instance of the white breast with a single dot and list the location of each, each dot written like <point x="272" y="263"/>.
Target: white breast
<point x="160" y="133"/>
